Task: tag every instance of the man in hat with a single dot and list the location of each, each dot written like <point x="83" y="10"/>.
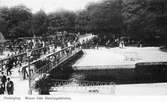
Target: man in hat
<point x="3" y="80"/>
<point x="10" y="87"/>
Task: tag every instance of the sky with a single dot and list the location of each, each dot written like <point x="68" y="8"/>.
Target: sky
<point x="49" y="5"/>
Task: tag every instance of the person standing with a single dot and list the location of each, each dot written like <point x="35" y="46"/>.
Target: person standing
<point x="1" y="88"/>
<point x="3" y="80"/>
<point x="9" y="66"/>
<point x="10" y="87"/>
<point x="97" y="45"/>
<point x="140" y="43"/>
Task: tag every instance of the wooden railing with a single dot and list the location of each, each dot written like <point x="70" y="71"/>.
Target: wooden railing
<point x="54" y="60"/>
<point x="22" y="58"/>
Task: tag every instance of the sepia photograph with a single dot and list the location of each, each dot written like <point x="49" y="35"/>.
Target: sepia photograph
<point x="82" y="47"/>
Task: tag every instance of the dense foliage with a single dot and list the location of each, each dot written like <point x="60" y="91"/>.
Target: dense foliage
<point x="144" y="20"/>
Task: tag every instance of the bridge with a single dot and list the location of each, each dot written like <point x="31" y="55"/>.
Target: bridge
<point x="27" y="59"/>
<point x="55" y="59"/>
<point x="26" y="66"/>
<point x="105" y="59"/>
<point x="35" y="63"/>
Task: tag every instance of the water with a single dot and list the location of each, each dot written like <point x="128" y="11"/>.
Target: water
<point x="118" y="76"/>
<point x="64" y="76"/>
<point x="142" y="74"/>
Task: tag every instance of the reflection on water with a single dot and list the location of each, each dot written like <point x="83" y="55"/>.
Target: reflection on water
<point x="118" y="76"/>
<point x="140" y="74"/>
<point x="64" y="76"/>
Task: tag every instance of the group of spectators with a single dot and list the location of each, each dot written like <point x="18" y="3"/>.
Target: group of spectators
<point x="6" y="85"/>
<point x="92" y="42"/>
<point x="18" y="49"/>
<point x="120" y="42"/>
<point x="21" y="45"/>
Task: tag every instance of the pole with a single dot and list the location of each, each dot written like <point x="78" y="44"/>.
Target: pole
<point x="30" y="90"/>
<point x="2" y="65"/>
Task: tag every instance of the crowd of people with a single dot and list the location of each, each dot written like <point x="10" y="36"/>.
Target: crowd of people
<point x="104" y="41"/>
<point x="6" y="85"/>
<point x="18" y="48"/>
<point x="42" y="46"/>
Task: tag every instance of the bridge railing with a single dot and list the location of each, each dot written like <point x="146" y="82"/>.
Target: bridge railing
<point x="54" y="59"/>
<point x="22" y="58"/>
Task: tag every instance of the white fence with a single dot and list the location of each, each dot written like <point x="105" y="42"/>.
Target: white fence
<point x="83" y="87"/>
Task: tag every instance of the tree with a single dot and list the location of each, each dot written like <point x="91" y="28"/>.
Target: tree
<point x="39" y="25"/>
<point x="20" y="21"/>
<point x="4" y="21"/>
<point x="17" y="21"/>
<point x="3" y="26"/>
<point x="62" y="21"/>
<point x="104" y="18"/>
<point x="138" y="19"/>
<point x="134" y="12"/>
<point x="82" y="22"/>
<point x="158" y="9"/>
<point x="145" y="19"/>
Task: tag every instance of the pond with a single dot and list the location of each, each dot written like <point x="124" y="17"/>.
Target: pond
<point x="142" y="74"/>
